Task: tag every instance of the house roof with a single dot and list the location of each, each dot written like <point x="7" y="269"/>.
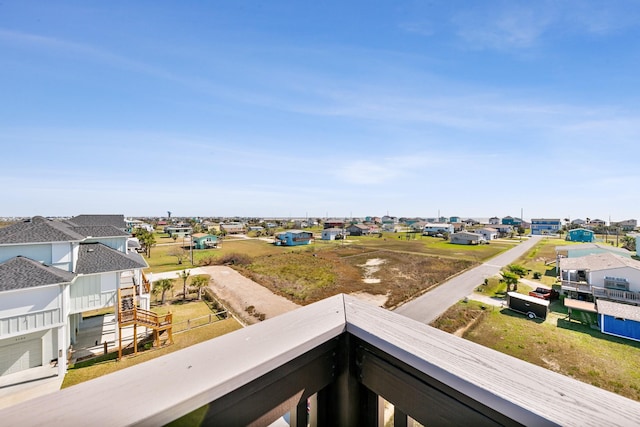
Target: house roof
<point x="100" y="231"/>
<point x="114" y="220"/>
<point x="467" y="234"/>
<point x="624" y="311"/>
<point x="39" y="230"/>
<point x="489" y="229"/>
<point x="333" y="230"/>
<point x="23" y="273"/>
<point x="98" y="258"/>
<point x="597" y="262"/>
<point x="583" y="246"/>
<point x="360" y="226"/>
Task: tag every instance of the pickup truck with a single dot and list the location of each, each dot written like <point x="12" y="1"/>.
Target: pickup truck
<point x="545" y="293"/>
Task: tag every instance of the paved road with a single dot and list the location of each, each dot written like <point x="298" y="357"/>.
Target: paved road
<point x="429" y="306"/>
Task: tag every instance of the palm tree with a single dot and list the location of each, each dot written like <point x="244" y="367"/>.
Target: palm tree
<point x="510" y="279"/>
<point x="199" y="282"/>
<point x="163" y="285"/>
<point x="184" y="275"/>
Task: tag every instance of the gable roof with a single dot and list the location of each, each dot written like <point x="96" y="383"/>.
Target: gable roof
<point x="597" y="262"/>
<point x="39" y="230"/>
<point x="113" y="220"/>
<point x="23" y="273"/>
<point x="98" y="258"/>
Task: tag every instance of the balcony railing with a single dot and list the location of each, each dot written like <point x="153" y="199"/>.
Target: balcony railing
<point x="346" y="355"/>
<point x="616" y="294"/>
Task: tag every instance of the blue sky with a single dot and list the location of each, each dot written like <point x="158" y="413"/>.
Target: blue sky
<point x="288" y="108"/>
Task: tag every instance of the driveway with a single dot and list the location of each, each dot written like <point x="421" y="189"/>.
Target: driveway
<point x="428" y="307"/>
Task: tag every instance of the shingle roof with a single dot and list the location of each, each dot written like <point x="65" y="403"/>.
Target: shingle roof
<point x="98" y="258"/>
<point x="100" y="231"/>
<point x="595" y="262"/>
<point x="23" y="273"/>
<point x="38" y="230"/>
<point x="624" y="311"/>
<point x="114" y="220"/>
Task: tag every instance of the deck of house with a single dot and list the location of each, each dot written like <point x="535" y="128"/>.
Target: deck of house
<point x="333" y="363"/>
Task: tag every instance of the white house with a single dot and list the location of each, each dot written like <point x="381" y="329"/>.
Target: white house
<point x="436" y="228"/>
<point x="466" y="238"/>
<point x="488" y="233"/>
<point x="331" y="233"/>
<point x="50" y="273"/>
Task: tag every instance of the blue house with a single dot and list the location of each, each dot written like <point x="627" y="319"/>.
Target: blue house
<point x="293" y="238"/>
<point x="580" y="235"/>
<point x="542" y="226"/>
<point x="621" y="320"/>
<point x="509" y="220"/>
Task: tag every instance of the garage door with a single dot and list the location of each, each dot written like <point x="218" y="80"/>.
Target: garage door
<point x="21" y="356"/>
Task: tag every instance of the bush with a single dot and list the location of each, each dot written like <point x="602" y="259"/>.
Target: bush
<point x="234" y="259"/>
<point x="537" y="275"/>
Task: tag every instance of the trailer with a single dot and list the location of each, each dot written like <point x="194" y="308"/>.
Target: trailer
<point x="530" y="306"/>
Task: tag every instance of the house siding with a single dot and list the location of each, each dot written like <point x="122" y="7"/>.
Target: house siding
<point x="624" y="328"/>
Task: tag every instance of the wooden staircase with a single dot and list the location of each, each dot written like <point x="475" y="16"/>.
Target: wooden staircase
<point x="130" y="314"/>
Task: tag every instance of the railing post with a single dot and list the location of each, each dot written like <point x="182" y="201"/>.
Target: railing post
<point x="346" y="402"/>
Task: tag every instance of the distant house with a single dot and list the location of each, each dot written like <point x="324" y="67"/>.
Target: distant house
<point x="178" y="230"/>
<point x="595" y="223"/>
<point x="204" y="241"/>
<point x="578" y="222"/>
<point x="431" y="229"/>
<point x="232" y="228"/>
<point x="494" y="220"/>
<point x="454" y="219"/>
<point x="626" y="225"/>
<point x="488" y="233"/>
<point x="503" y="229"/>
<point x="358" y="230"/>
<point x="331" y="233"/>
<point x="333" y="223"/>
<point x="509" y="220"/>
<point x="544" y="226"/>
<point x="580" y="235"/>
<point x="577" y="251"/>
<point x="466" y="238"/>
<point x="293" y="238"/>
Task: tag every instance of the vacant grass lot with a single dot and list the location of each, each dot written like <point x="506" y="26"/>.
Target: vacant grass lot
<point x="308" y="276"/>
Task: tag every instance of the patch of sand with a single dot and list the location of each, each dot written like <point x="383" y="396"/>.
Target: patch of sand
<point x="370" y="268"/>
<point x="378" y="300"/>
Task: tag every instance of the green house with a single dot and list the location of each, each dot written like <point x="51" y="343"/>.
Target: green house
<point x="580" y="235"/>
<point x="204" y="241"/>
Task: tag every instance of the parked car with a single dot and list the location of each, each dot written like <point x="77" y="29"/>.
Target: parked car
<point x="545" y="293"/>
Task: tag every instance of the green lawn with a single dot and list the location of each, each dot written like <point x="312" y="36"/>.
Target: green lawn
<point x="87" y="370"/>
<point x="569" y="348"/>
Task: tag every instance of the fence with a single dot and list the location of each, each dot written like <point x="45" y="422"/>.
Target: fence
<point x="199" y="321"/>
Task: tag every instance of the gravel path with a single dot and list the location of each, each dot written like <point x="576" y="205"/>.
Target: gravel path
<point x="237" y="293"/>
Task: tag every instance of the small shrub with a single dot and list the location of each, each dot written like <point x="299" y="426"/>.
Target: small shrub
<point x="537" y="275"/>
<point x="234" y="258"/>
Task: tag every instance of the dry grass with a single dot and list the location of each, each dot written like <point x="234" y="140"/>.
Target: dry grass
<point x="309" y="276"/>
